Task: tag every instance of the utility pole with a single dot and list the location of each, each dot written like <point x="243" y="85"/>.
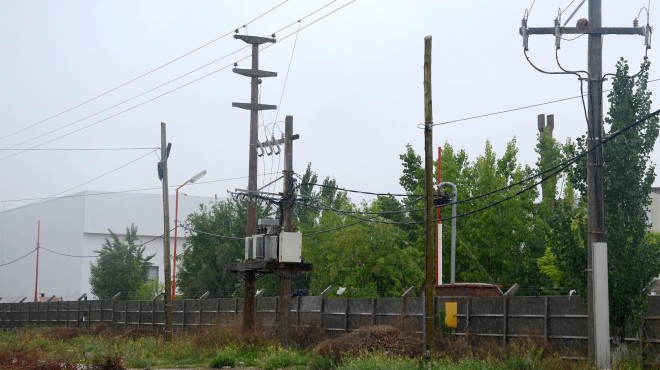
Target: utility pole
<point x="429" y="294"/>
<point x="597" y="285"/>
<point x="164" y="152"/>
<point x="249" y="276"/>
<point x="287" y="226"/>
<point x="36" y="277"/>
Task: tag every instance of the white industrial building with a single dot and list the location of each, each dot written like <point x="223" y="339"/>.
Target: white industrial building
<point x="654" y="210"/>
<point x="71" y="230"/>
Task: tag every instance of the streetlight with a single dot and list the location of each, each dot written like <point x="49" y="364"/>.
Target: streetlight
<point x="176" y="227"/>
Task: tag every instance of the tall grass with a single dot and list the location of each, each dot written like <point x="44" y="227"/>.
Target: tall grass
<point x="219" y="347"/>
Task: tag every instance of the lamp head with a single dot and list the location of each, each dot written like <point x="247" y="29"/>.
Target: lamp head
<point x="197" y="177"/>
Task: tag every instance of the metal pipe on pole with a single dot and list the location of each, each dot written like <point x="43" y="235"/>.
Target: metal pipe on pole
<point x="176" y="228"/>
<point x="454" y="199"/>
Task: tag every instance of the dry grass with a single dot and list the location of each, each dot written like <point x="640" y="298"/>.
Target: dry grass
<point x="379" y="339"/>
<point x="62" y="333"/>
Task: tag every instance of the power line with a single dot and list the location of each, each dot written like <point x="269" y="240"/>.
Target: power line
<point x="97" y="255"/>
<point x="118" y="191"/>
<point x="516" y="109"/>
<point x="333" y="229"/>
<point x="550" y="173"/>
<point x="77" y="149"/>
<point x="105" y="174"/>
<point x="212" y="234"/>
<point x="163" y="94"/>
<point x="142" y="75"/>
<point x="18" y="259"/>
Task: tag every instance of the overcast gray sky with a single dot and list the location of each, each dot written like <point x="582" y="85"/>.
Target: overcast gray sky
<point x="354" y="87"/>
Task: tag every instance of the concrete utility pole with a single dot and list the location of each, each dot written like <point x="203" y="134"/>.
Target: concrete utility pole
<point x="429" y="294"/>
<point x="166" y="234"/>
<point x="287" y="226"/>
<point x="249" y="276"/>
<point x="597" y="285"/>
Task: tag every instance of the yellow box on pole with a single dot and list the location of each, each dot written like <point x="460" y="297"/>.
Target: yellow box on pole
<point x="451" y="314"/>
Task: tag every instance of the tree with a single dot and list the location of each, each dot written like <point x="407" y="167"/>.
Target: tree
<point x="215" y="238"/>
<point x="120" y="267"/>
<point x="496" y="241"/>
<point x="355" y="247"/>
<point x="629" y="175"/>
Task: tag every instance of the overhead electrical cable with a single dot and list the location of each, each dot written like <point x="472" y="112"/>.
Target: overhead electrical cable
<point x="142" y="75"/>
<point x="98" y="255"/>
<point x="77" y="149"/>
<point x="517" y="108"/>
<point x="116" y="192"/>
<point x="548" y="174"/>
<point x="135" y="97"/>
<point x="18" y="259"/>
<point x="212" y="234"/>
<point x="163" y="94"/>
<point x="103" y="175"/>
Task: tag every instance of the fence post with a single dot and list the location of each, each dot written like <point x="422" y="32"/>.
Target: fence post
<point x="505" y="303"/>
<point x="126" y="314"/>
<point x="324" y="293"/>
<point x="183" y="315"/>
<point x="545" y="319"/>
<point x="139" y="315"/>
<point x="347" y="314"/>
<point x="217" y="311"/>
<point x="201" y="303"/>
<point x="153" y="314"/>
<point x="468" y="305"/>
<point x="298" y="310"/>
<point x="404" y="304"/>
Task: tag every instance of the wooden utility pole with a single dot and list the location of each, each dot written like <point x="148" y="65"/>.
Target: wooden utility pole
<point x="429" y="296"/>
<point x="166" y="234"/>
<point x="249" y="276"/>
<point x="287" y="226"/>
<point x="597" y="284"/>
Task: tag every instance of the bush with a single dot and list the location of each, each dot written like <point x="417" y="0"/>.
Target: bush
<point x="380" y="339"/>
<point x="222" y="360"/>
<point x="62" y="333"/>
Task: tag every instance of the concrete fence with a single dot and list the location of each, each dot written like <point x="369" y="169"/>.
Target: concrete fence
<point x="558" y="321"/>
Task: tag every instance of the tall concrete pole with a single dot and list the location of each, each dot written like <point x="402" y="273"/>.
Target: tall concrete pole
<point x="429" y="294"/>
<point x="287" y="226"/>
<point x="597" y="284"/>
<point x="249" y="277"/>
<point x="598" y="302"/>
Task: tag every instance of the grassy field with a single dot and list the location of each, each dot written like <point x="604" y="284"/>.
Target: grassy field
<point x="375" y="348"/>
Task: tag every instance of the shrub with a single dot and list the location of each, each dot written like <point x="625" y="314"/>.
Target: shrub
<point x="382" y="339"/>
<point x="222" y="360"/>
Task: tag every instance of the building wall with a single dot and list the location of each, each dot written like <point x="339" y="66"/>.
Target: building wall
<point x="61" y="231"/>
<point x="73" y="228"/>
<point x="654" y="211"/>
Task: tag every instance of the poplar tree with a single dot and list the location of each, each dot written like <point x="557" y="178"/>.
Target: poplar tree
<point x="629" y="175"/>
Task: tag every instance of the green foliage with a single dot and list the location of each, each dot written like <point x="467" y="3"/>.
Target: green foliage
<point x="215" y="238"/>
<point x="371" y="258"/>
<point x="222" y="360"/>
<point x="149" y="290"/>
<point x="120" y="267"/>
<point x="629" y="175"/>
